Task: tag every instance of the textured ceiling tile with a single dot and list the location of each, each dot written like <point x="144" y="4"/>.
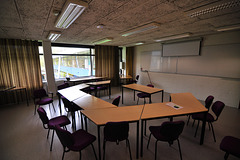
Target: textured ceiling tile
<point x="14" y="33"/>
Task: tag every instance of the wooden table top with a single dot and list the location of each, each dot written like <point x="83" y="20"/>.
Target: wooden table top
<point x="91" y="102"/>
<point x="84" y="79"/>
<point x="99" y="83"/>
<point x="187" y="101"/>
<point x="117" y="114"/>
<point x="142" y="88"/>
<point x="125" y="77"/>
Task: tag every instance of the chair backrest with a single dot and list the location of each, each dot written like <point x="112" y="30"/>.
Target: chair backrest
<point x="137" y="77"/>
<point x="116" y="131"/>
<point x="172" y="130"/>
<point x="116" y="101"/>
<point x="67" y="104"/>
<point x="43" y="115"/>
<point x="40" y="93"/>
<point x="150" y="85"/>
<point x="64" y="136"/>
<point x="208" y="101"/>
<point x="217" y="108"/>
<point x="62" y="86"/>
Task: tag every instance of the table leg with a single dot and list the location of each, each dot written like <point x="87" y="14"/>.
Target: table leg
<point x="59" y="103"/>
<point x="203" y="129"/>
<point x="109" y="91"/>
<point x="134" y="95"/>
<point x="85" y="119"/>
<point x="137" y="147"/>
<point x="99" y="143"/>
<point x="26" y="95"/>
<point x="122" y="95"/>
<point x="141" y="145"/>
<point x="162" y="95"/>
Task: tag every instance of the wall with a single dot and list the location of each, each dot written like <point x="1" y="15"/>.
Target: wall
<point x="222" y="88"/>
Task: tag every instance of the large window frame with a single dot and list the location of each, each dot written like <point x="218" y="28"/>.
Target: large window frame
<point x="91" y="55"/>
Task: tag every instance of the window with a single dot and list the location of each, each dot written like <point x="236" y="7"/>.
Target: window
<point x="70" y="62"/>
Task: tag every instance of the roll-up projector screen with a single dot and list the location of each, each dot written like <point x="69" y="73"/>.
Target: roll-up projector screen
<point x="187" y="48"/>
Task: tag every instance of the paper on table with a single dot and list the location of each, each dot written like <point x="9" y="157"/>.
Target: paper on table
<point x="173" y="105"/>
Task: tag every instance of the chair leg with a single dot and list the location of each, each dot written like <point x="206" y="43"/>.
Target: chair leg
<point x="80" y="155"/>
<point x="145" y="129"/>
<point x="35" y="109"/>
<point x="179" y="147"/>
<point x="63" y="153"/>
<point x="52" y="141"/>
<point x="137" y="101"/>
<point x="226" y="156"/>
<point x="48" y="133"/>
<point x="149" y="140"/>
<point x="196" y="130"/>
<point x="213" y="132"/>
<point x="94" y="151"/>
<point x="129" y="148"/>
<point x="156" y="150"/>
<point x="104" y="148"/>
<point x="53" y="108"/>
<point x="193" y="122"/>
<point x="188" y="119"/>
<point x="209" y="126"/>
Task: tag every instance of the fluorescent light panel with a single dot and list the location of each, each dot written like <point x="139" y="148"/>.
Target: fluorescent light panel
<point x="173" y="37"/>
<point x="226" y="4"/>
<point x="228" y="28"/>
<point x="53" y="35"/>
<point x="108" y="39"/>
<point x="141" y="29"/>
<point x="71" y="11"/>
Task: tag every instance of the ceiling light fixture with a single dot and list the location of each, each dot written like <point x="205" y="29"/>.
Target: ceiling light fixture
<point x="143" y="28"/>
<point x="70" y="12"/>
<point x="214" y="7"/>
<point x="139" y="43"/>
<point x="53" y="35"/>
<point x="228" y="28"/>
<point x="108" y="39"/>
<point x="173" y="37"/>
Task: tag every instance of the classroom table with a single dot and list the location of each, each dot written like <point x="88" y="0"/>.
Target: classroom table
<point x="71" y="93"/>
<point x="125" y="78"/>
<point x="101" y="116"/>
<point x="188" y="103"/>
<point x="142" y="88"/>
<point x="99" y="83"/>
<point x="85" y="79"/>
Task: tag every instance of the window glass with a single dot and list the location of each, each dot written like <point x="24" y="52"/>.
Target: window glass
<point x="70" y="62"/>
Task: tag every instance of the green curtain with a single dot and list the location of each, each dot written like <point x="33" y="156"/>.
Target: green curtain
<point x="107" y="63"/>
<point x="19" y="66"/>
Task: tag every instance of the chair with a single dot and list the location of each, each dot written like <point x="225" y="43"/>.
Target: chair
<point x="136" y="80"/>
<point x="72" y="108"/>
<point x="230" y="145"/>
<point x="116" y="132"/>
<point x="75" y="141"/>
<point x="116" y="101"/>
<point x="208" y="103"/>
<point x="88" y="90"/>
<point x="217" y="108"/>
<point x="49" y="124"/>
<point x="102" y="88"/>
<point x="145" y="95"/>
<point x="40" y="97"/>
<point x="167" y="132"/>
<point x="62" y="86"/>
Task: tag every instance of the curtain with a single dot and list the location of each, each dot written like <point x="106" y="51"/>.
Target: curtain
<point x="19" y="66"/>
<point x="129" y="60"/>
<point x="107" y="63"/>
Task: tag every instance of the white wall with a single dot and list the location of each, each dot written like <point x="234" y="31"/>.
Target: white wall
<point x="226" y="90"/>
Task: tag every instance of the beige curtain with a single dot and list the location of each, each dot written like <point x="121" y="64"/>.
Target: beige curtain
<point x="107" y="63"/>
<point x="129" y="60"/>
<point x="19" y="66"/>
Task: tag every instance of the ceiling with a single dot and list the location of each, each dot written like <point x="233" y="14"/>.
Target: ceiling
<point x="33" y="19"/>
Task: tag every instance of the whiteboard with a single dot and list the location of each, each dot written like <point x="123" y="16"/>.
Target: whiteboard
<point x="217" y="61"/>
<point x="187" y="48"/>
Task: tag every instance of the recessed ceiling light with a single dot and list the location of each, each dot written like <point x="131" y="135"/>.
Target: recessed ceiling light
<point x="53" y="35"/>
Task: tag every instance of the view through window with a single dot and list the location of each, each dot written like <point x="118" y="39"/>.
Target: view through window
<point x="70" y="62"/>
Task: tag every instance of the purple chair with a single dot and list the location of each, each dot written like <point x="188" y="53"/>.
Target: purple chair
<point x="116" y="132"/>
<point x="167" y="132"/>
<point x="72" y="108"/>
<point x="62" y="86"/>
<point x="116" y="101"/>
<point x="136" y="80"/>
<point x="230" y="145"/>
<point x="75" y="141"/>
<point x="217" y="108"/>
<point x="208" y="103"/>
<point x="40" y="97"/>
<point x="145" y="95"/>
<point x="49" y="124"/>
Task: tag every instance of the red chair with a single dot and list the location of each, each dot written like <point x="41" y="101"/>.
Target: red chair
<point x="116" y="132"/>
<point x="75" y="141"/>
<point x="145" y="95"/>
<point x="217" y="108"/>
<point x="167" y="132"/>
<point x="49" y="124"/>
<point x="40" y="97"/>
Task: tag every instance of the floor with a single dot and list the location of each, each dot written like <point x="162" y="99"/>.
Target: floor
<point x="23" y="137"/>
